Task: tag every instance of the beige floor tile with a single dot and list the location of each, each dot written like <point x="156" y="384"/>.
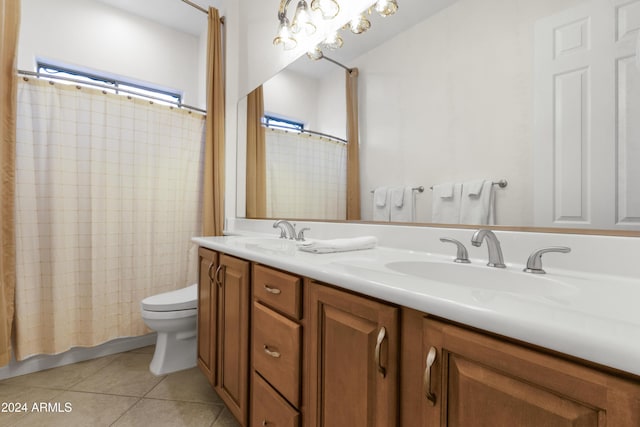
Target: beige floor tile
<point x="163" y="413"/>
<point x="189" y="386"/>
<point x="127" y="375"/>
<point x="144" y="350"/>
<point x="79" y="409"/>
<point x="19" y="401"/>
<point x="225" y="420"/>
<point x="63" y="377"/>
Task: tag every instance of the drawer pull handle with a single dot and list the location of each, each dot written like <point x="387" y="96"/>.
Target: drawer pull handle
<point x="271" y="290"/>
<point x="264" y="422"/>
<point x="381" y="336"/>
<point x="274" y="354"/>
<point x="431" y="358"/>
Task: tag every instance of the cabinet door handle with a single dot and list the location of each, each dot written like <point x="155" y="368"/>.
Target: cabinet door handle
<point x="221" y="269"/>
<point x="431" y="358"/>
<point x="271" y="290"/>
<point x="209" y="272"/>
<point x="381" y="336"/>
<point x="270" y="352"/>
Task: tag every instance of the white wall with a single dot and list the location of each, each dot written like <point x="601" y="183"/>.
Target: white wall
<point x="293" y="96"/>
<point x="96" y="36"/>
<point x="451" y="99"/>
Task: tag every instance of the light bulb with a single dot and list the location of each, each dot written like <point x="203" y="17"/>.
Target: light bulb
<point x="386" y="7"/>
<point x="284" y="36"/>
<point x="315" y="53"/>
<point x="302" y="20"/>
<point x="333" y="41"/>
<point x="359" y="24"/>
<point x="328" y="8"/>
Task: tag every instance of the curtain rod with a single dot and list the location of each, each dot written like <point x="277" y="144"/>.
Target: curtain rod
<point x="336" y="62"/>
<point x="201" y="9"/>
<point x="103" y="86"/>
<point x="307" y="131"/>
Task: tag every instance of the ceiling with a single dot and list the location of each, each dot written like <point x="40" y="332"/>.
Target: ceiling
<point x="172" y="13"/>
<point x="183" y="17"/>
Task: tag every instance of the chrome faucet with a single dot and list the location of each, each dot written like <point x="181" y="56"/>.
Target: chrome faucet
<point x="534" y="263"/>
<point x="495" y="252"/>
<point x="287" y="230"/>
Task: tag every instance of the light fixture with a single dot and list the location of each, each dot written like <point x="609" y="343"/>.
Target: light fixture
<point x="312" y="17"/>
<point x="284" y="36"/>
<point x="359" y="24"/>
<point x="302" y="21"/>
<point x="328" y="8"/>
<point x="315" y="54"/>
<point x="386" y="7"/>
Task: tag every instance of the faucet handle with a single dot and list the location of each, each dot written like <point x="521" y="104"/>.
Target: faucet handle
<point x="301" y="234"/>
<point x="534" y="263"/>
<point x="462" y="256"/>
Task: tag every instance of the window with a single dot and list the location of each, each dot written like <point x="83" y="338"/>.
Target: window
<point x="282" y="123"/>
<point x="118" y="85"/>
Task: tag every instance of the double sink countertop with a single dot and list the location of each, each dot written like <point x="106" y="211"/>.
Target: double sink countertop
<point x="589" y="316"/>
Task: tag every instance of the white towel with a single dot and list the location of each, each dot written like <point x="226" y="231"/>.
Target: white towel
<point x="477" y="204"/>
<point x="338" y="245"/>
<point x="445" y="203"/>
<point x="381" y="204"/>
<point x="402" y="204"/>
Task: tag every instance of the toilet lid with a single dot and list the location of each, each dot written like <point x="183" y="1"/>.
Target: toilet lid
<point x="180" y="299"/>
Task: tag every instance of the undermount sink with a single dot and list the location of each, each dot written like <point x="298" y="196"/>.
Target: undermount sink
<point x="274" y="244"/>
<point x="484" y="278"/>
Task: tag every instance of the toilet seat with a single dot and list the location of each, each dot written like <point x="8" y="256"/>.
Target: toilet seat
<point x="180" y="299"/>
<point x="169" y="315"/>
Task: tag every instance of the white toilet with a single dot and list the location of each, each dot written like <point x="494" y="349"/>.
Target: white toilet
<point x="173" y="315"/>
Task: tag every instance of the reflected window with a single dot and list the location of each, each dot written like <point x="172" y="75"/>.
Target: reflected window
<point x="282" y="123"/>
<point x="110" y="84"/>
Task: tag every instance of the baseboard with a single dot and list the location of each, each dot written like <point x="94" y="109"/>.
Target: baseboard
<point x="77" y="354"/>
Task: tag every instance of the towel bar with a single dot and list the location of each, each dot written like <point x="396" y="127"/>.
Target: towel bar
<point x="502" y="184"/>
<point x="418" y="189"/>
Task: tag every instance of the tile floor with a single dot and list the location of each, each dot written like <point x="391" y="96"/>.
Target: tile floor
<point x="116" y="390"/>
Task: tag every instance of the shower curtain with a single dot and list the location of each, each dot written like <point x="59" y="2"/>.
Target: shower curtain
<point x="306" y="176"/>
<point x="108" y="195"/>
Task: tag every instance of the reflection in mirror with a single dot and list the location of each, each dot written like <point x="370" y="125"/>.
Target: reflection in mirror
<point x="537" y="93"/>
<point x="304" y="154"/>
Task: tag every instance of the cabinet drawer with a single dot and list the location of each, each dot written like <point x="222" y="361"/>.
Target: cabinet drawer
<point x="269" y="409"/>
<point x="276" y="351"/>
<point x="278" y="290"/>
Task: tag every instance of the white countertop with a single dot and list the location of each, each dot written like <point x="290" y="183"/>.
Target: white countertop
<point x="590" y="316"/>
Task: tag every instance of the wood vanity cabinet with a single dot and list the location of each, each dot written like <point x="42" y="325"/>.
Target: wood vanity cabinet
<point x="352" y="374"/>
<point x="223" y="334"/>
<point x="320" y="356"/>
<point x="479" y="380"/>
<point x="207" y="302"/>
<point x="276" y="348"/>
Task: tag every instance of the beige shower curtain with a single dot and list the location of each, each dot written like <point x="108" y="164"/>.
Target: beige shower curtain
<point x="213" y="191"/>
<point x="8" y="43"/>
<point x="256" y="156"/>
<point x="353" y="149"/>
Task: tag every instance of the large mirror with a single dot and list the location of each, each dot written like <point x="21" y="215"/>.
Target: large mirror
<point x="543" y="94"/>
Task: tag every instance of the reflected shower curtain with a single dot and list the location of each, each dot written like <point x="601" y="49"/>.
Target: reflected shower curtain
<point x="306" y="176"/>
<point x="353" y="141"/>
<point x="108" y="198"/>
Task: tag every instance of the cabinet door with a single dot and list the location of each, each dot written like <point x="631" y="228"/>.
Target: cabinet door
<point x="352" y="360"/>
<point x="482" y="381"/>
<point x="207" y="313"/>
<point x="232" y="352"/>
